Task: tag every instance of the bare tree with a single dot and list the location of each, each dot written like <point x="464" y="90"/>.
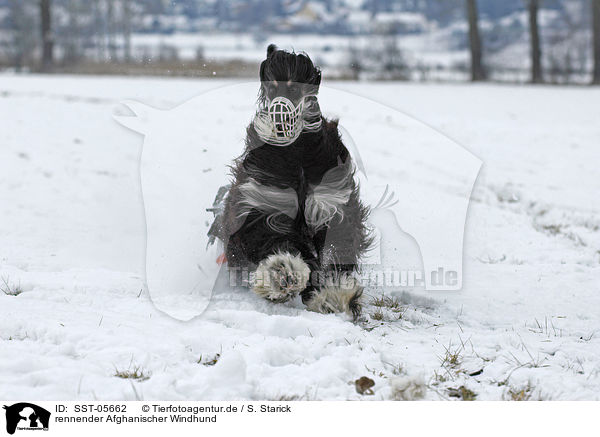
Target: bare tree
<point x="110" y="30"/>
<point x="99" y="30"/>
<point x="596" y="26"/>
<point x="355" y="61"/>
<point x="47" y="40"/>
<point x="72" y="34"/>
<point x="477" y="70"/>
<point x="391" y="58"/>
<point x="127" y="30"/>
<point x="18" y="41"/>
<point x="534" y="38"/>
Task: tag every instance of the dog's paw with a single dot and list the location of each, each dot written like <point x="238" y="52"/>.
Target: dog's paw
<point x="342" y="295"/>
<point x="280" y="277"/>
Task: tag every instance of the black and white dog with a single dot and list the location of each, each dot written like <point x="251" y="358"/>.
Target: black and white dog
<point x="293" y="215"/>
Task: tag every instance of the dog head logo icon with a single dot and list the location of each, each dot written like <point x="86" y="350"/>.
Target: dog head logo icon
<point x="26" y="416"/>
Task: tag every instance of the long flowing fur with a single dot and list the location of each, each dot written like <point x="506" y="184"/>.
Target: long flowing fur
<point x="299" y="201"/>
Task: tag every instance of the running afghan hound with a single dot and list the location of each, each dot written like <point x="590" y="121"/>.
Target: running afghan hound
<point x="292" y="214"/>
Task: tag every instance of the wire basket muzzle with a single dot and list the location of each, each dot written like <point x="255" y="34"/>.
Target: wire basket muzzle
<point x="285" y="117"/>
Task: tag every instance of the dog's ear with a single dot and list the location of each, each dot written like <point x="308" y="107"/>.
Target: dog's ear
<point x="271" y="49"/>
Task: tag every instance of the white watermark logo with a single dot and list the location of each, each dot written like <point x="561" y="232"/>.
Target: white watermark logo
<point x="416" y="181"/>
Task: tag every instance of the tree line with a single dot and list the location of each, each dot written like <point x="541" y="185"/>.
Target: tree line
<point x="112" y="26"/>
<point x="478" y="71"/>
<point x="80" y="29"/>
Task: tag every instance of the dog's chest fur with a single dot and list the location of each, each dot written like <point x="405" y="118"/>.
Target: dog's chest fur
<point x="304" y="181"/>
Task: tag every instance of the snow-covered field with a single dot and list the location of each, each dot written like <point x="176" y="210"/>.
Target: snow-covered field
<point x="525" y="325"/>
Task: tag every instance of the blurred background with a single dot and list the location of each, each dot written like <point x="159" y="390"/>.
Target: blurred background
<point x="551" y="41"/>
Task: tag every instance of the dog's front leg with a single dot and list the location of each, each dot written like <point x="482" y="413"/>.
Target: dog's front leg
<point x="334" y="212"/>
<point x="264" y="221"/>
<point x="281" y="276"/>
<point x="334" y="292"/>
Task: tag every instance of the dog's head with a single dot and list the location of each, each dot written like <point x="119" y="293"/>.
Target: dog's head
<point x="289" y="75"/>
<point x="287" y="102"/>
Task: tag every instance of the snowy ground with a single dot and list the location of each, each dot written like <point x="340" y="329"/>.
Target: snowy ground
<point x="525" y="325"/>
